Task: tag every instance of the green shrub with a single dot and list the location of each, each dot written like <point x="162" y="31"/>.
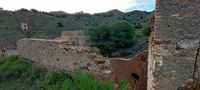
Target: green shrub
<point x="146" y="31"/>
<point x="59" y="24"/>
<point x="13" y="63"/>
<point x="13" y="69"/>
<point x="16" y="73"/>
<point x="106" y="86"/>
<point x="52" y="77"/>
<point x="123" y="85"/>
<point x="138" y="36"/>
<point x="109" y="37"/>
<point x="85" y="81"/>
<point x="138" y="26"/>
<point x="67" y="85"/>
<point x="53" y="87"/>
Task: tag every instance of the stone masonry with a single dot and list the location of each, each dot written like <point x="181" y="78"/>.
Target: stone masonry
<point x="67" y="54"/>
<point x="62" y="55"/>
<point x="76" y="37"/>
<point x="174" y="60"/>
<point x="24" y="26"/>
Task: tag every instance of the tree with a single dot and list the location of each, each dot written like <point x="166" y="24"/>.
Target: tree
<point x="34" y="11"/>
<point x="138" y="26"/>
<point x="59" y="24"/>
<point x="122" y="34"/>
<point x="23" y="10"/>
<point x="146" y="31"/>
<point x="109" y="37"/>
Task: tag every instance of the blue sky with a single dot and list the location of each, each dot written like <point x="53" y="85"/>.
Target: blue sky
<point x="72" y="6"/>
<point x="148" y="7"/>
<point x="143" y="5"/>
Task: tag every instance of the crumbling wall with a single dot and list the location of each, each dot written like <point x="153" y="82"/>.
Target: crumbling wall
<point x="61" y="55"/>
<point x="67" y="53"/>
<point x="76" y="37"/>
<point x="173" y="62"/>
<point x="134" y="70"/>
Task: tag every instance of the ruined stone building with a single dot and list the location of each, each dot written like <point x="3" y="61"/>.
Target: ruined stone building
<point x="171" y="63"/>
<point x="76" y="37"/>
<point x="68" y="53"/>
<point x="174" y="60"/>
<point x="24" y="26"/>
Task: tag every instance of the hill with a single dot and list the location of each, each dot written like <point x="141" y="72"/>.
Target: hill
<point x="47" y="25"/>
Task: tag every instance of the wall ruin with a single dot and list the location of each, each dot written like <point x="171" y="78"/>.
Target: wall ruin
<point x="76" y="37"/>
<point x="68" y="53"/>
<point x="24" y="26"/>
<point x="63" y="56"/>
<point x="134" y="70"/>
<point x="174" y="59"/>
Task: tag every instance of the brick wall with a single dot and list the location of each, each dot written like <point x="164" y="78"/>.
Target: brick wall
<point x="134" y="70"/>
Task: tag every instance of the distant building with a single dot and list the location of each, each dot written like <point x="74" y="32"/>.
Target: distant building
<point x="1" y="8"/>
<point x="24" y="26"/>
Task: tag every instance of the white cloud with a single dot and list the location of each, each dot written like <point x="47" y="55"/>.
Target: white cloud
<point x="147" y="5"/>
<point x="71" y="6"/>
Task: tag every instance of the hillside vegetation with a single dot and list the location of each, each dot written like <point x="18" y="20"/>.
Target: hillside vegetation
<point x="45" y="25"/>
<point x="109" y="37"/>
<point x="16" y="74"/>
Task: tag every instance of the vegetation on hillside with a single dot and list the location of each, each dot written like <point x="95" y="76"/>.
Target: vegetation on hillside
<point x="138" y="26"/>
<point x="109" y="37"/>
<point x="16" y="74"/>
<point x="146" y="31"/>
<point x="59" y="24"/>
<point x="45" y="25"/>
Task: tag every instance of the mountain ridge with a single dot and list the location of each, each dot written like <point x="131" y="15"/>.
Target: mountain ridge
<point x="45" y="25"/>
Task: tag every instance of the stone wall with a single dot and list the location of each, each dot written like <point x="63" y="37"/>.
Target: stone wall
<point x="61" y="55"/>
<point x="175" y="44"/>
<point x="134" y="70"/>
<point x="76" y="37"/>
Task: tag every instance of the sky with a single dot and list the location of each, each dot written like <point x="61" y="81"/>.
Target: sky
<point x="72" y="6"/>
